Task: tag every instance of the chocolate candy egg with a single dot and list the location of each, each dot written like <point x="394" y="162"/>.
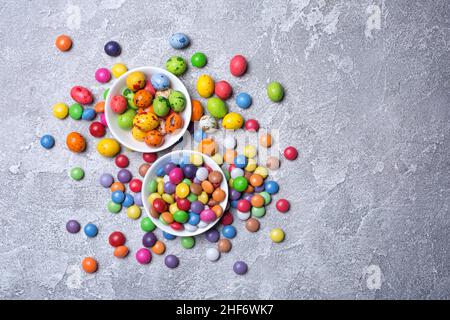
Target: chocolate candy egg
<point x="143" y="99"/>
<point x="160" y="81"/>
<point x="179" y="40"/>
<point x="216" y="107"/>
<point x="205" y="86"/>
<point x="75" y="142"/>
<point x="154" y="138"/>
<point x="173" y="123"/>
<point x="81" y="95"/>
<point x="118" y="104"/>
<point x="146" y="121"/>
<point x="161" y="106"/>
<point x="197" y="110"/>
<point x="138" y="134"/>
<point x="177" y="101"/>
<point x="125" y="120"/>
<point x="135" y="81"/>
<point x="176" y="65"/>
<point x="208" y="124"/>
<point x="232" y="121"/>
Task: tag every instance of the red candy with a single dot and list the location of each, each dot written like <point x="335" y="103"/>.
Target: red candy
<point x="244" y="205"/>
<point x="238" y="65"/>
<point x="149" y="88"/>
<point x="150" y="157"/>
<point x="159" y="205"/>
<point x="251" y="125"/>
<point x="176" y="226"/>
<point x="283" y="205"/>
<point x="81" y="95"/>
<point x="227" y="218"/>
<point x="122" y="161"/>
<point x="116" y="239"/>
<point x="231" y="167"/>
<point x="118" y="104"/>
<point x="135" y="185"/>
<point x="183" y="204"/>
<point x="223" y="90"/>
<point x="290" y="153"/>
<point x="97" y="129"/>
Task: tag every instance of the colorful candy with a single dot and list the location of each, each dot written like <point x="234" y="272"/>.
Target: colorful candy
<point x="290" y="153"/>
<point x="76" y="111"/>
<point x="198" y="60"/>
<point x="121" y="252"/>
<point x="212" y="254"/>
<point x="122" y="161"/>
<point x="176" y="65"/>
<point x="75" y="142"/>
<point x="81" y="95"/>
<point x="102" y="75"/>
<point x="47" y="141"/>
<point x="252" y="225"/>
<point x="283" y="205"/>
<point x="160" y="81"/>
<point x="179" y="41"/>
<point x="116" y="239"/>
<point x="238" y="65"/>
<point x="73" y="226"/>
<point x="108" y="147"/>
<point x="171" y="261"/>
<point x="112" y="48"/>
<point x="275" y="91"/>
<point x="243" y="100"/>
<point x="106" y="180"/>
<point x="76" y="173"/>
<point x="90" y="230"/>
<point x="252" y="125"/>
<point x="63" y="42"/>
<point x="223" y="90"/>
<point x="143" y="256"/>
<point x="118" y="69"/>
<point x="229" y="232"/>
<point x="277" y="235"/>
<point x="205" y="86"/>
<point x="89" y="265"/>
<point x="240" y="267"/>
<point x="216" y="107"/>
<point x="60" y="110"/>
<point x="232" y="121"/>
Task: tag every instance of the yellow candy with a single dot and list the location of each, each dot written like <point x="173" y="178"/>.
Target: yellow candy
<point x="182" y="190"/>
<point x="232" y="121"/>
<point x="250" y="151"/>
<point x="160" y="188"/>
<point x="135" y="80"/>
<point x="134" y="212"/>
<point x="230" y="183"/>
<point x="196" y="160"/>
<point x="251" y="165"/>
<point x="277" y="235"/>
<point x="173" y="208"/>
<point x="138" y="134"/>
<point x="218" y="158"/>
<point x="146" y="121"/>
<point x="168" y="198"/>
<point x="159" y="179"/>
<point x="118" y="69"/>
<point x="203" y="197"/>
<point x="60" y="110"/>
<point x="205" y="86"/>
<point x="108" y="147"/>
<point x="262" y="172"/>
<point x="153" y="196"/>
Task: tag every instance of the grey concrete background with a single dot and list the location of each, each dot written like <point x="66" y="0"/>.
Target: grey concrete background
<point x="367" y="105"/>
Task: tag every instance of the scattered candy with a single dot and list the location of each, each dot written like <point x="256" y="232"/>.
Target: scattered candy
<point x="216" y="107"/>
<point x="116" y="239"/>
<point x="243" y="100"/>
<point x="106" y="180"/>
<point x="60" y="110"/>
<point x="63" y="42"/>
<point x="108" y="147"/>
<point x="81" y="95"/>
<point x="224" y="245"/>
<point x="77" y="173"/>
<point x="265" y="140"/>
<point x="238" y="65"/>
<point x="205" y="86"/>
<point x="252" y="225"/>
<point x="277" y="235"/>
<point x="240" y="267"/>
<point x="47" y="141"/>
<point x="212" y="254"/>
<point x="121" y="251"/>
<point x="97" y="129"/>
<point x="198" y="60"/>
<point x="275" y="91"/>
<point x="75" y="142"/>
<point x="232" y="121"/>
<point x="290" y="153"/>
<point x="252" y="125"/>
<point x="90" y="230"/>
<point x="122" y="161"/>
<point x="102" y="75"/>
<point x="118" y="69"/>
<point x="171" y="261"/>
<point x="134" y="212"/>
<point x="223" y="90"/>
<point x="112" y="48"/>
<point x="143" y="256"/>
<point x="179" y="41"/>
<point x="187" y="242"/>
<point x="73" y="226"/>
<point x="229" y="232"/>
<point x="283" y="205"/>
<point x="89" y="265"/>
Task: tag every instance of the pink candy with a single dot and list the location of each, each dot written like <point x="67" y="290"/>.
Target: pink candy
<point x="176" y="175"/>
<point x="223" y="90"/>
<point x="81" y="95"/>
<point x="208" y="215"/>
<point x="103" y="119"/>
<point x="102" y="75"/>
<point x="143" y="256"/>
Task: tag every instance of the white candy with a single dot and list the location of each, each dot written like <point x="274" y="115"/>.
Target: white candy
<point x="229" y="142"/>
<point x="190" y="227"/>
<point x="202" y="174"/>
<point x="212" y="254"/>
<point x="243" y="215"/>
<point x="237" y="172"/>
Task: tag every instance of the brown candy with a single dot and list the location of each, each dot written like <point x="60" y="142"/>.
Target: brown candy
<point x="252" y="225"/>
<point x="247" y="175"/>
<point x="196" y="189"/>
<point x="224" y="245"/>
<point x="143" y="168"/>
<point x="212" y="202"/>
<point x="215" y="177"/>
<point x="272" y="163"/>
<point x="153" y="212"/>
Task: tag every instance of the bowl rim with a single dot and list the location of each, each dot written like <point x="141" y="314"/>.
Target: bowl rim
<point x="186" y="113"/>
<point x="151" y="172"/>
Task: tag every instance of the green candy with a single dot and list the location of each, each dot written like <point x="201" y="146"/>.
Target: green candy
<point x="147" y="224"/>
<point x="114" y="207"/>
<point x="275" y="91"/>
<point x="129" y="96"/>
<point x="240" y="184"/>
<point x="125" y="120"/>
<point x="152" y="186"/>
<point x="176" y="65"/>
<point x="76" y="173"/>
<point x="161" y="106"/>
<point x="226" y="173"/>
<point x="177" y="101"/>
<point x="258" y="212"/>
<point x="198" y="60"/>
<point x="162" y="221"/>
<point x="75" y="111"/>
<point x="192" y="197"/>
<point x="105" y="94"/>
<point x="216" y="107"/>
<point x="181" y="216"/>
<point x="187" y="242"/>
<point x="266" y="196"/>
<point x="187" y="181"/>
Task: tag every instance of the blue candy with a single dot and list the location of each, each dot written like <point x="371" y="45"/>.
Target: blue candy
<point x="179" y="41"/>
<point x="118" y="196"/>
<point x="90" y="230"/>
<point x="194" y="218"/>
<point x="88" y="114"/>
<point x="229" y="232"/>
<point x="47" y="141"/>
<point x="168" y="236"/>
<point x="243" y="100"/>
<point x="128" y="201"/>
<point x="161" y="172"/>
<point x="160" y="81"/>
<point x="271" y="187"/>
<point x="234" y="203"/>
<point x="199" y="135"/>
<point x="240" y="161"/>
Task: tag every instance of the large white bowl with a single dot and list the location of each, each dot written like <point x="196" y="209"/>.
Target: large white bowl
<point x="175" y="156"/>
<point x="124" y="136"/>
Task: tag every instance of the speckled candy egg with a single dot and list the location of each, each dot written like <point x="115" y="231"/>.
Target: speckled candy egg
<point x="177" y="101"/>
<point x="232" y="121"/>
<point x="160" y="81"/>
<point x="81" y="95"/>
<point x="154" y="138"/>
<point x="179" y="41"/>
<point x="205" y="86"/>
<point x="208" y="124"/>
<point x="135" y="80"/>
<point x="146" y="121"/>
<point x="143" y="99"/>
<point x="217" y="107"/>
<point x="75" y="142"/>
<point x="176" y="65"/>
<point x="173" y="123"/>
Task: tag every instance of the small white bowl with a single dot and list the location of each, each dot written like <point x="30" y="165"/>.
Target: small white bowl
<point x="124" y="136"/>
<point x="175" y="156"/>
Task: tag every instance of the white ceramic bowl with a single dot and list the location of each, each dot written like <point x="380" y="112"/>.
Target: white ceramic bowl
<point x="124" y="136"/>
<point x="175" y="156"/>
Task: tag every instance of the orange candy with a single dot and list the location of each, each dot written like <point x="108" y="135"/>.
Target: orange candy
<point x="197" y="110"/>
<point x="154" y="138"/>
<point x="121" y="251"/>
<point x="63" y="42"/>
<point x="167" y="217"/>
<point x="89" y="265"/>
<point x="207" y="146"/>
<point x="99" y="106"/>
<point x="158" y="247"/>
<point x="257" y="201"/>
<point x="207" y="187"/>
<point x="173" y="122"/>
<point x="75" y="142"/>
<point x="217" y="210"/>
<point x="143" y="99"/>
<point x="256" y="180"/>
<point x="218" y="195"/>
<point x="117" y="186"/>
<point x="265" y="140"/>
<point x="249" y="189"/>
<point x="229" y="156"/>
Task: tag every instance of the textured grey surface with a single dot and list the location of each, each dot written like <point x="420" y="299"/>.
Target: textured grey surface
<point x="367" y="105"/>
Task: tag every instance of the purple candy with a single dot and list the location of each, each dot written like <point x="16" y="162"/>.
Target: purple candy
<point x="138" y="199"/>
<point x="149" y="239"/>
<point x="248" y="196"/>
<point x="171" y="261"/>
<point x="169" y="166"/>
<point x="73" y="226"/>
<point x="106" y="180"/>
<point x="260" y="188"/>
<point x="169" y="187"/>
<point x="189" y="171"/>
<point x="212" y="235"/>
<point x="240" y="267"/>
<point x="124" y="175"/>
<point x="197" y="181"/>
<point x="197" y="207"/>
<point x="234" y="195"/>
